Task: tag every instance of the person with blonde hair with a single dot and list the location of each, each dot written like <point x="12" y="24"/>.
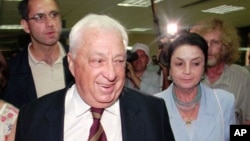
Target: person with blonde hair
<point x="223" y="43"/>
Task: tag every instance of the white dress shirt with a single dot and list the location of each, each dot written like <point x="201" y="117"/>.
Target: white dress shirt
<point x="78" y="119"/>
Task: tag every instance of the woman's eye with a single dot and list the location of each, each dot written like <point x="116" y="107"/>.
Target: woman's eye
<point x="196" y="63"/>
<point x="178" y="64"/>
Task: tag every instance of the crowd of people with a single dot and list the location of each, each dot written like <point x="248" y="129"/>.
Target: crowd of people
<point x="48" y="88"/>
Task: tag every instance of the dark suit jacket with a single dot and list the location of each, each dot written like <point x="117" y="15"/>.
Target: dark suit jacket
<point x="20" y="89"/>
<point x="143" y="117"/>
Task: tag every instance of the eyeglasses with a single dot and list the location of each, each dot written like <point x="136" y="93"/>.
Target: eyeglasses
<point x="41" y="17"/>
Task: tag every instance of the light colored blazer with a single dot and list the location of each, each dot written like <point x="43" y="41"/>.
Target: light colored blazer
<point x="215" y="116"/>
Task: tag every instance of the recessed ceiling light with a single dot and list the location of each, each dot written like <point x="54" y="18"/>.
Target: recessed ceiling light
<point x="223" y="9"/>
<point x="137" y="3"/>
<point x="129" y="48"/>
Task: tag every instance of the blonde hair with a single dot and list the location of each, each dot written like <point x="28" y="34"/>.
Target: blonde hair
<point x="229" y="37"/>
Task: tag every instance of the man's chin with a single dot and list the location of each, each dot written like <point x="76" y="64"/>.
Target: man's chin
<point x="211" y="63"/>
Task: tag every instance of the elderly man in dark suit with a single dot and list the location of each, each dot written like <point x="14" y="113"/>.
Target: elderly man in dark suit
<point x="97" y="60"/>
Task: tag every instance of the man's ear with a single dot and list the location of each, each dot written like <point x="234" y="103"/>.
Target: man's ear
<point x="71" y="63"/>
<point x="25" y="26"/>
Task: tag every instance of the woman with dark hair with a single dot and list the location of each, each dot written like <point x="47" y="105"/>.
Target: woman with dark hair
<point x="8" y="113"/>
<point x="197" y="112"/>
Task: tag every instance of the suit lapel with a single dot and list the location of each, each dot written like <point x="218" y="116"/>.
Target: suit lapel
<point x="55" y="119"/>
<point x="130" y="117"/>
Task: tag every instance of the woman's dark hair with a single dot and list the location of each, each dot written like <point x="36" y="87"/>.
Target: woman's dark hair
<point x="4" y="76"/>
<point x="188" y="39"/>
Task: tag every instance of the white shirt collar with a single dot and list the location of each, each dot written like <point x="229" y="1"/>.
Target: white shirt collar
<point x="74" y="102"/>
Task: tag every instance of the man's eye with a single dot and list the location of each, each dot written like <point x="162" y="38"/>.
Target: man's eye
<point x="39" y="16"/>
<point x="96" y="62"/>
<point x="54" y="14"/>
<point x="119" y="62"/>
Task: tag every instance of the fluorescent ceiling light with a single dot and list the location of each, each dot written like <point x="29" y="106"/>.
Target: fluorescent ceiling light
<point x="12" y="0"/>
<point x="223" y="9"/>
<point x="129" y="48"/>
<point x="11" y="27"/>
<point x="137" y="29"/>
<point x="137" y="3"/>
<point x="244" y="49"/>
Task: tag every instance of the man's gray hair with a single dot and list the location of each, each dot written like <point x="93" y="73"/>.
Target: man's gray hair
<point x="100" y="22"/>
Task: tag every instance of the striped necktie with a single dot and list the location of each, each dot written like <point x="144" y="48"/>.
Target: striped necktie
<point x="96" y="131"/>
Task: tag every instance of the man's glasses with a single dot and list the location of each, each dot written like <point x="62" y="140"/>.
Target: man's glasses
<point x="41" y="17"/>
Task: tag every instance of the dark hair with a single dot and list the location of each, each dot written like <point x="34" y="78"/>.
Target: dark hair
<point x="4" y="75"/>
<point x="188" y="39"/>
<point x="24" y="10"/>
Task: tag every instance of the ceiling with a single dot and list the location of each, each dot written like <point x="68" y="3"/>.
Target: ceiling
<point x="184" y="12"/>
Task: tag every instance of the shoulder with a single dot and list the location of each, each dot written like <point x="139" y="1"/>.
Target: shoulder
<point x="140" y="97"/>
<point x="1" y="103"/>
<point x="19" y="55"/>
<point x="64" y="47"/>
<point x="19" y="61"/>
<point x="224" y="96"/>
<point x="237" y="69"/>
<point x="151" y="74"/>
<point x="8" y="109"/>
<point x="213" y="96"/>
<point x="221" y="93"/>
<point x="165" y="93"/>
<point x="49" y="101"/>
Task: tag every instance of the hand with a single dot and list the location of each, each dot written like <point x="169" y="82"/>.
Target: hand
<point x="132" y="76"/>
<point x="130" y="70"/>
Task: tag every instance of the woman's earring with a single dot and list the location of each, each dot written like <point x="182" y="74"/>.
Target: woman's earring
<point x="169" y="78"/>
<point x="203" y="76"/>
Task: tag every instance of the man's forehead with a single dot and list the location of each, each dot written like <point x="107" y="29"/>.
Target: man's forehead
<point x="140" y="51"/>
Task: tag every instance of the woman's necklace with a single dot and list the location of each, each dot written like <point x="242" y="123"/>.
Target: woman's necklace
<point x="190" y="104"/>
<point x="188" y="117"/>
<point x="188" y="107"/>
